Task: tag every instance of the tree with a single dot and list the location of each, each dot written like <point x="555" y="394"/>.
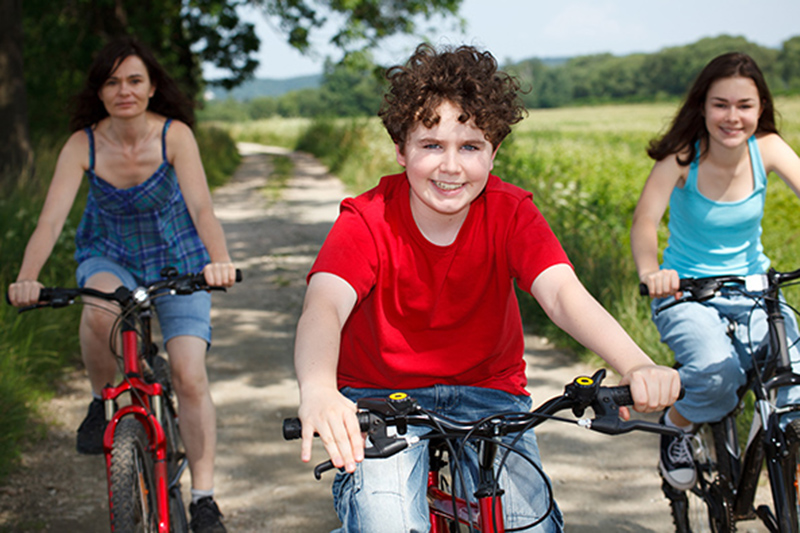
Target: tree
<point x="61" y="38"/>
<point x="15" y="150"/>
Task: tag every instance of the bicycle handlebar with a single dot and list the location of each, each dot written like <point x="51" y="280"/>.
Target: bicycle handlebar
<point x="702" y="289"/>
<point x="56" y="297"/>
<point x="400" y="411"/>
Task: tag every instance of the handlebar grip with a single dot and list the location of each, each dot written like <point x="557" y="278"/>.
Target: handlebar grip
<point x="621" y="395"/>
<point x="643" y="290"/>
<point x="238" y="275"/>
<point x="292" y="428"/>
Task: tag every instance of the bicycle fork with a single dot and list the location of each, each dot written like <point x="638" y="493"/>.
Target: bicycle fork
<point x="146" y="408"/>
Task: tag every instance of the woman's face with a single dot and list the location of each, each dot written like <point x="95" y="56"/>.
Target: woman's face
<point x="127" y="91"/>
<point x="732" y="110"/>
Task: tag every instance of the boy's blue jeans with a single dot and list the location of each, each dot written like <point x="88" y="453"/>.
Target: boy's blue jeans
<point x="389" y="495"/>
<point x="714" y="365"/>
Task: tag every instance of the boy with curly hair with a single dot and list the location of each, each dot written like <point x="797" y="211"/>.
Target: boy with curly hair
<point x="413" y="290"/>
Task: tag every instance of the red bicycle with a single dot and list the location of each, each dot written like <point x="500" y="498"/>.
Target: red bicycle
<point x="142" y="445"/>
<point x="484" y="512"/>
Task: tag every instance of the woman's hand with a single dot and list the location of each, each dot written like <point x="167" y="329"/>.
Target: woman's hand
<point x="662" y="283"/>
<point x="24" y="292"/>
<point x="220" y="274"/>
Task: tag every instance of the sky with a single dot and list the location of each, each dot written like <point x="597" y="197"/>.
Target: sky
<point x="513" y="30"/>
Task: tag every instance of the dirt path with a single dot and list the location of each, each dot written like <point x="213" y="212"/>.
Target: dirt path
<point x="603" y="484"/>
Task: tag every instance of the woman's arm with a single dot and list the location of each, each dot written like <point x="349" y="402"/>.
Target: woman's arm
<point x="72" y="163"/>
<point x="183" y="153"/>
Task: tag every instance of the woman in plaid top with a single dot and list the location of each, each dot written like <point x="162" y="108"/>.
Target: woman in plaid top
<point x="148" y="207"/>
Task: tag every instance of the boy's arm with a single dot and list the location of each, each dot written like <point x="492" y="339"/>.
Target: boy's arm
<point x="323" y="409"/>
<point x="567" y="302"/>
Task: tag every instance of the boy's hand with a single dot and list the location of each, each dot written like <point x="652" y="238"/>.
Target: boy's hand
<point x="333" y="417"/>
<point x="653" y="387"/>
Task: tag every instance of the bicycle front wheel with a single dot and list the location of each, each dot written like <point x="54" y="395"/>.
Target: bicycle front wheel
<point x="791" y="474"/>
<point x="132" y="487"/>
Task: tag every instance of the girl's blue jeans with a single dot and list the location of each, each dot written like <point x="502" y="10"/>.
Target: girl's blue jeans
<point x="713" y="363"/>
<point x="389" y="495"/>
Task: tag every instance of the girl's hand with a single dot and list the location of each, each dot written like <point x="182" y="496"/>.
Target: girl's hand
<point x="24" y="292"/>
<point x="662" y="283"/>
<point x="220" y="274"/>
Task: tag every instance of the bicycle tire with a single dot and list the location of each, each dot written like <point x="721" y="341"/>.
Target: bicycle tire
<point x="708" y="506"/>
<point x="132" y="485"/>
<point x="791" y="472"/>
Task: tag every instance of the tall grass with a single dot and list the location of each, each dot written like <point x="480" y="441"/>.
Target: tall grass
<point x="586" y="167"/>
<point x="37" y="347"/>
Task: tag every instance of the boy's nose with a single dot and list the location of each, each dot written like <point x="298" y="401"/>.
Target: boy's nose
<point x="449" y="162"/>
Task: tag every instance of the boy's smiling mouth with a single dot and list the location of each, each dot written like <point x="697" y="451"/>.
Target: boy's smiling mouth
<point x="447" y="186"/>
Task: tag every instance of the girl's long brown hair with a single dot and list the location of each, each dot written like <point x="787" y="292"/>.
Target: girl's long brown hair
<point x="689" y="124"/>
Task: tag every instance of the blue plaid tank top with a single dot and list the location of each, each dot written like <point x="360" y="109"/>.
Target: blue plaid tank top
<point x="143" y="228"/>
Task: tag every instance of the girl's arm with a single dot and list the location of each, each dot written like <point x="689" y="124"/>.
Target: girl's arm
<point x="665" y="176"/>
<point x="183" y="153"/>
<point x="323" y="409"/>
<point x="567" y="302"/>
<point x="779" y="157"/>
<point x="72" y="163"/>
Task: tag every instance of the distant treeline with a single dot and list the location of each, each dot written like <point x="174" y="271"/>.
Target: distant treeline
<point x="356" y="88"/>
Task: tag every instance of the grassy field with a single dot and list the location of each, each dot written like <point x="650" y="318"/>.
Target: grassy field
<point x="586" y="167"/>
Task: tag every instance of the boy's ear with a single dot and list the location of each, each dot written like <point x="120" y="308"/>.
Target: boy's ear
<point x="401" y="158"/>
<point x="494" y="154"/>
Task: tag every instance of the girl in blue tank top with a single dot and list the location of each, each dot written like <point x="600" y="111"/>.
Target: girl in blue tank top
<point x="149" y="207"/>
<point x="711" y="171"/>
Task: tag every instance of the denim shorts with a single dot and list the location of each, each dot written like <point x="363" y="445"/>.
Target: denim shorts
<point x="389" y="495"/>
<point x="179" y="314"/>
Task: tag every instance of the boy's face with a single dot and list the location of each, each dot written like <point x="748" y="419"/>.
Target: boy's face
<point x="447" y="165"/>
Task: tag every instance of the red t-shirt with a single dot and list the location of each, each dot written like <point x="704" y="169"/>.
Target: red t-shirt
<point x="429" y="314"/>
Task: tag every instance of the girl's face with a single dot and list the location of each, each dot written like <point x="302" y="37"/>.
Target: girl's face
<point x="447" y="165"/>
<point x="732" y="109"/>
<point x="127" y="91"/>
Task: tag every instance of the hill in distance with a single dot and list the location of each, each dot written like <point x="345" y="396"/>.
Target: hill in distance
<point x="269" y="87"/>
<point x="260" y="87"/>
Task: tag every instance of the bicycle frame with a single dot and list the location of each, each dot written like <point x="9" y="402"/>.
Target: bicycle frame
<point x="486" y="513"/>
<point x="145" y="406"/>
<point x="731" y="495"/>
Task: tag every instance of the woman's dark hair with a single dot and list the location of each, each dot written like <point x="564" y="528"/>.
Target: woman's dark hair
<point x="467" y="78"/>
<point x="689" y="124"/>
<point x="168" y="99"/>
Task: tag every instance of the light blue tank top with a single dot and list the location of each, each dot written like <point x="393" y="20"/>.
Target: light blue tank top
<point x="709" y="238"/>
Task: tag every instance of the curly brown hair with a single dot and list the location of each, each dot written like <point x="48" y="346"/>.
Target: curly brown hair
<point x="464" y="76"/>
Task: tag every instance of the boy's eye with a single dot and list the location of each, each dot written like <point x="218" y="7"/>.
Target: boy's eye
<point x="431" y="146"/>
<point x="470" y="147"/>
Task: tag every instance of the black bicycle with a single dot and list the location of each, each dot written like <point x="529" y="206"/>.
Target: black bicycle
<point x="727" y="475"/>
<point x="386" y="420"/>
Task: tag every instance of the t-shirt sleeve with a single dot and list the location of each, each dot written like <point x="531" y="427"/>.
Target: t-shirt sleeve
<point x="532" y="245"/>
<point x="349" y="251"/>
